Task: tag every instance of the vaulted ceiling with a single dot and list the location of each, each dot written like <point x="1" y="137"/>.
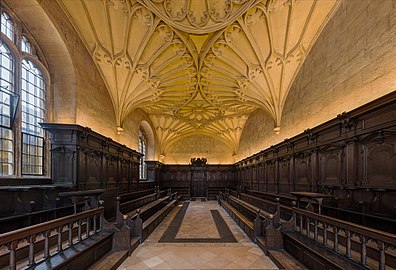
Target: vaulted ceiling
<point x="198" y="66"/>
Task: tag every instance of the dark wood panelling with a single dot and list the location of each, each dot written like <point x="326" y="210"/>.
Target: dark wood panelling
<point x="83" y="159"/>
<point x="210" y="177"/>
<point x="352" y="157"/>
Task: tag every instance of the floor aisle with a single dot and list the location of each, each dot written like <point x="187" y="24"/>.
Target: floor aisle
<point x="198" y="235"/>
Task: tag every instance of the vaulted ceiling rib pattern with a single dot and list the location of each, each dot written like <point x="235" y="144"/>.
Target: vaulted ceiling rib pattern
<point x="198" y="67"/>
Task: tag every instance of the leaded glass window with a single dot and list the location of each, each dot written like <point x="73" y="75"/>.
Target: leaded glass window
<point x="143" y="151"/>
<point x="7" y="26"/>
<point x="25" y="45"/>
<point x="22" y="100"/>
<point x="6" y="92"/>
<point x="33" y="100"/>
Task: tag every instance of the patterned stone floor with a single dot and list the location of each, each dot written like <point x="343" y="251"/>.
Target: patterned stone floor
<point x="198" y="223"/>
<point x="242" y="254"/>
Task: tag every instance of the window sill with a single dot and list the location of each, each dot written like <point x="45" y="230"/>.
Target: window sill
<point x="24" y="180"/>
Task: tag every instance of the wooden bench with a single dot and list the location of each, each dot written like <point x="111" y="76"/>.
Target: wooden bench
<point x="129" y="206"/>
<point x="268" y="206"/>
<point x="243" y="222"/>
<point x="66" y="241"/>
<point x="283" y="198"/>
<point x="212" y="192"/>
<point x="142" y="221"/>
<point x="125" y="197"/>
<point x="336" y="248"/>
<point x="135" y="228"/>
<point x="152" y="222"/>
<point x="23" y="248"/>
<point x="264" y="228"/>
<point x="184" y="192"/>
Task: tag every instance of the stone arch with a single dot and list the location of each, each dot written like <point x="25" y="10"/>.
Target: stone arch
<point x="149" y="135"/>
<point x="63" y="87"/>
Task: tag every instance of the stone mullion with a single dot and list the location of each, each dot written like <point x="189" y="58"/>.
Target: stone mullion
<point x="17" y="128"/>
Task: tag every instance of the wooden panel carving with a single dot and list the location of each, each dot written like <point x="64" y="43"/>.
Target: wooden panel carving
<point x="83" y="159"/>
<point x="302" y="177"/>
<point x="284" y="175"/>
<point x="331" y="166"/>
<point x="352" y="157"/>
<point x="380" y="164"/>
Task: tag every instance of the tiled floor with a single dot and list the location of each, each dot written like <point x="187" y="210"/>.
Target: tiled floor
<point x="192" y="226"/>
<point x="189" y="255"/>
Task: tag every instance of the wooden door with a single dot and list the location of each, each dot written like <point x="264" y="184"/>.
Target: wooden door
<point x="198" y="185"/>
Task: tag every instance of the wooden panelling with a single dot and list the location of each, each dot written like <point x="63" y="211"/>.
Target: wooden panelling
<point x="352" y="157"/>
<point x="210" y="177"/>
<point x="84" y="159"/>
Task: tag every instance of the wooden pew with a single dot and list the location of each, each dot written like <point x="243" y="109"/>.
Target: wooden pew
<point x="125" y="197"/>
<point x="316" y="227"/>
<point x="262" y="226"/>
<point x="142" y="221"/>
<point x="64" y="242"/>
<point x="129" y="206"/>
<point x="369" y="220"/>
<point x="253" y="221"/>
<point x="19" y="221"/>
<point x="152" y="222"/>
<point x="80" y="199"/>
<point x="135" y="228"/>
<point x="212" y="192"/>
<point x="243" y="222"/>
<point x="331" y="242"/>
<point x="184" y="192"/>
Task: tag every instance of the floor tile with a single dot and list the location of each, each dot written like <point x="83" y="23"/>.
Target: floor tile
<point x="243" y="254"/>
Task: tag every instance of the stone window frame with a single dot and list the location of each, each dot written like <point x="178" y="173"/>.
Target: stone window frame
<point x="142" y="150"/>
<point x="36" y="57"/>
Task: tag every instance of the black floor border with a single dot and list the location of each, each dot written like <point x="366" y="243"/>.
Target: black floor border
<point x="225" y="233"/>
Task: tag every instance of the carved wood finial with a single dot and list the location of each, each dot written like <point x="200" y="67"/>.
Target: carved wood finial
<point x="199" y="161"/>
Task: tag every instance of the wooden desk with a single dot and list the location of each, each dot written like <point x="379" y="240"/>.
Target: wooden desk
<point x="318" y="197"/>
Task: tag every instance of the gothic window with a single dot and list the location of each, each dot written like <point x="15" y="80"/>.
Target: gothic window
<point x="143" y="151"/>
<point x="6" y="93"/>
<point x="22" y="101"/>
<point x="7" y="26"/>
<point x="33" y="97"/>
<point x="25" y="45"/>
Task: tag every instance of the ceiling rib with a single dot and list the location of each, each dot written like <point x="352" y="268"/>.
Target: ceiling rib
<point x="198" y="67"/>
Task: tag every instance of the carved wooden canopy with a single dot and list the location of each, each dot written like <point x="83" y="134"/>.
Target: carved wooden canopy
<point x="198" y="66"/>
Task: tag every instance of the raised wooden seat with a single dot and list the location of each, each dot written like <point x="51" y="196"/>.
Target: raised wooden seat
<point x="151" y="223"/>
<point x="132" y="205"/>
<point x="184" y="192"/>
<point x="59" y="243"/>
<point x="284" y="260"/>
<point x="125" y="197"/>
<point x="243" y="222"/>
<point x="81" y="256"/>
<point x="23" y="249"/>
<point x="148" y="209"/>
<point x="113" y="260"/>
<point x="18" y="221"/>
<point x="267" y="206"/>
<point x="304" y="248"/>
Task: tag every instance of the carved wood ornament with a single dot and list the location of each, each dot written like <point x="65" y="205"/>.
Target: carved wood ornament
<point x="198" y="67"/>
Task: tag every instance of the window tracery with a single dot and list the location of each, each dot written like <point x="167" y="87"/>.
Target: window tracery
<point x="143" y="151"/>
<point x="23" y="80"/>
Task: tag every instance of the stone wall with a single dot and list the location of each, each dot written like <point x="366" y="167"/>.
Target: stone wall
<point x="78" y="93"/>
<point x="351" y="63"/>
<point x="214" y="150"/>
